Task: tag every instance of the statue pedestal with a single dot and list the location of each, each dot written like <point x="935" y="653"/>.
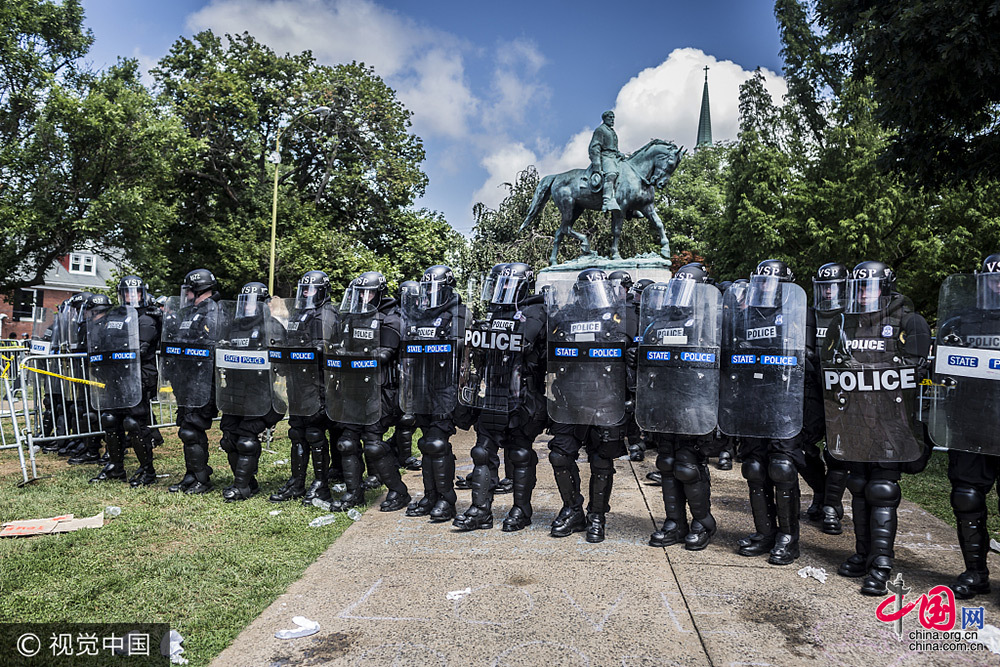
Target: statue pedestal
<point x="652" y="266"/>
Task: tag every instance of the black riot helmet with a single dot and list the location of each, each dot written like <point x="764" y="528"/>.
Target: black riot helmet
<point x="313" y="290"/>
<point x="195" y="284"/>
<point x="132" y="292"/>
<point x="365" y="293"/>
<point x="490" y="281"/>
<point x="680" y="289"/>
<point x="251" y="299"/>
<point x="77" y="303"/>
<point x="436" y="286"/>
<point x="830" y="287"/>
<point x="593" y="290"/>
<point x="988" y="284"/>
<point x="622" y="280"/>
<point x="870" y="287"/>
<point x="97" y="303"/>
<point x="408" y="287"/>
<point x="516" y="279"/>
<point x="638" y="287"/>
<point x="765" y="283"/>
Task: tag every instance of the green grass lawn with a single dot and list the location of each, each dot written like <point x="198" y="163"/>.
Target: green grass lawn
<point x="932" y="491"/>
<point x="206" y="567"/>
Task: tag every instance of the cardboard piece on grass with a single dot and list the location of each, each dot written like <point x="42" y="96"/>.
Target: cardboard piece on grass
<point x="57" y="524"/>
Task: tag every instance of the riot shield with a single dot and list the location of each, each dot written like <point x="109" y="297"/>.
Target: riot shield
<point x="295" y="343"/>
<point x="242" y="367"/>
<point x="353" y="371"/>
<point x="762" y="370"/>
<point x="113" y="349"/>
<point x="432" y="340"/>
<point x="869" y="393"/>
<point x="187" y="346"/>
<point x="680" y="331"/>
<point x="586" y="381"/>
<point x="965" y="385"/>
<point x="42" y="331"/>
<point x="490" y="375"/>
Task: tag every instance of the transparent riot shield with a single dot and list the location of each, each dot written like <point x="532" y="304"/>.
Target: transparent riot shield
<point x="187" y="348"/>
<point x="680" y="332"/>
<point x="586" y="381"/>
<point x="965" y="385"/>
<point x="762" y="370"/>
<point x="869" y="392"/>
<point x="492" y="361"/>
<point x="42" y="331"/>
<point x="295" y="344"/>
<point x="352" y="369"/>
<point x="113" y="349"/>
<point x="432" y="341"/>
<point x="242" y="366"/>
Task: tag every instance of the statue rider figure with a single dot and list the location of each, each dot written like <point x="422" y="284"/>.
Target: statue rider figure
<point x="604" y="158"/>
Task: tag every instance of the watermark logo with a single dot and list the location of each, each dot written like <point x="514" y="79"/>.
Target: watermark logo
<point x="937" y="615"/>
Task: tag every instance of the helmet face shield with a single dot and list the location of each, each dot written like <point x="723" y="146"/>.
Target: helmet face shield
<point x="596" y="294"/>
<point x="505" y="289"/>
<point x="829" y="294"/>
<point x="988" y="291"/>
<point x="433" y="293"/>
<point x="360" y="300"/>
<point x="764" y="292"/>
<point x="132" y="295"/>
<point x="307" y="296"/>
<point x="249" y="305"/>
<point x="680" y="293"/>
<point x="866" y="295"/>
<point x="188" y="296"/>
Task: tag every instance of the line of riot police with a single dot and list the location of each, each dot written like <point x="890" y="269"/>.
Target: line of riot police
<point x="683" y="366"/>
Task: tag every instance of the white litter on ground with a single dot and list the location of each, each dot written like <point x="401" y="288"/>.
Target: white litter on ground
<point x="176" y="649"/>
<point x="816" y="573"/>
<point x="458" y="595"/>
<point x="989" y="637"/>
<point x="304" y="628"/>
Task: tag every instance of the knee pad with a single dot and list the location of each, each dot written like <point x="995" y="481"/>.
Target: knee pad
<point x="601" y="465"/>
<point x="109" y="421"/>
<point x="753" y="471"/>
<point x="297" y="434"/>
<point x="248" y="446"/>
<point x="348" y="446"/>
<point x="856" y="484"/>
<point x="188" y="435"/>
<point x="375" y="449"/>
<point x="560" y="460"/>
<point x="520" y="457"/>
<point x="406" y="421"/>
<point x="686" y="472"/>
<point x="782" y="470"/>
<point x="967" y="500"/>
<point x="315" y="436"/>
<point x="665" y="463"/>
<point x="433" y="447"/>
<point x="480" y="455"/>
<point x="882" y="493"/>
<point x="228" y="443"/>
<point x="130" y="424"/>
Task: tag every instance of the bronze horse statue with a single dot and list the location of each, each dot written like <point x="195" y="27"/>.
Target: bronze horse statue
<point x="648" y="168"/>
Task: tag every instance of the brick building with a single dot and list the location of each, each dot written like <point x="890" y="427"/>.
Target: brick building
<point x="76" y="272"/>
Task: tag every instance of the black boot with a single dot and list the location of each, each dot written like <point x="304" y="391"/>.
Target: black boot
<point x="973" y="538"/>
<point x="424" y="506"/>
<point x="199" y="466"/>
<point x="595" y="527"/>
<point x="145" y="475"/>
<point x="857" y="564"/>
<point x="725" y="460"/>
<point x="571" y="518"/>
<point x="350" y="460"/>
<point x="675" y="526"/>
<point x="295" y="487"/>
<point x="244" y="462"/>
<point x="91" y="455"/>
<point x="320" y="487"/>
<point x="443" y="473"/>
<point x="115" y="467"/>
<point x="761" y="541"/>
<point x="883" y="497"/>
<point x="525" y="477"/>
<point x="833" y="501"/>
<point x="786" y="544"/>
<point x="601" y="483"/>
<point x="480" y="514"/>
<point x="703" y="526"/>
<point x="383" y="462"/>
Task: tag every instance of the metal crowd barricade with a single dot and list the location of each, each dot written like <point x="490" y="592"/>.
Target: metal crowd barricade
<point x="13" y="398"/>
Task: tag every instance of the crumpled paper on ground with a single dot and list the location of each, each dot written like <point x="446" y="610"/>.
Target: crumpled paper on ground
<point x="816" y="573"/>
<point x="176" y="649"/>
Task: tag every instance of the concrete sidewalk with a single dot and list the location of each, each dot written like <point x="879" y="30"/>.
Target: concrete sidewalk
<point x="381" y="592"/>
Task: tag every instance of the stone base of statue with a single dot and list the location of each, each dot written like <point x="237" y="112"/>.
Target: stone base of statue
<point x="652" y="266"/>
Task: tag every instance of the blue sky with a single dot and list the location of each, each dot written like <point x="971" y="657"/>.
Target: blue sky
<point x="495" y="87"/>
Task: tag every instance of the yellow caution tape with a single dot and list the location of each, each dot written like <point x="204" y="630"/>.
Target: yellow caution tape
<point x="63" y="377"/>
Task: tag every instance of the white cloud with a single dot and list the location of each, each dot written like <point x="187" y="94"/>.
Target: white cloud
<point x="662" y="102"/>
<point x="515" y="86"/>
<point x="425" y="65"/>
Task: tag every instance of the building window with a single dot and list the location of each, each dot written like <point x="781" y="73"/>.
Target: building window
<point x="82" y="262"/>
<point x="25" y="303"/>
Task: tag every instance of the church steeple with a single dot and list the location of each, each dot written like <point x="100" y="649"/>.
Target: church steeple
<point x="705" y="120"/>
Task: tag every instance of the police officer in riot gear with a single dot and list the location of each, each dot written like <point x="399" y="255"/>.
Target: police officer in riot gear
<point x="96" y="306"/>
<point x="402" y="435"/>
<point x="504" y="379"/>
<point x="829" y="300"/>
<point x="197" y="323"/>
<point x="634" y="436"/>
<point x="596" y="313"/>
<point x="367" y="307"/>
<point x="963" y="419"/>
<point x="770" y="464"/>
<point x="433" y="319"/>
<point x="871" y="426"/>
<point x="682" y="317"/>
<point x="244" y="393"/>
<point x="311" y="314"/>
<point x="109" y="335"/>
